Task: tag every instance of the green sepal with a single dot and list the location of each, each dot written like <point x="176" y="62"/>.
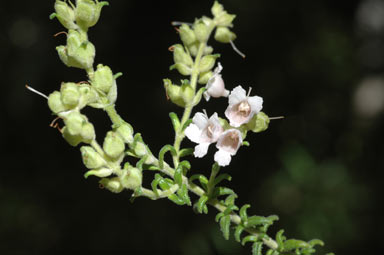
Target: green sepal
<point x="113" y="145"/>
<point x="201" y="31"/>
<point x="222" y="177"/>
<point x="187" y="35"/>
<point x="258" y="123"/>
<point x="224" y="35"/>
<point x="200" y="205"/>
<point x="55" y="103"/>
<point x="141" y="162"/>
<point x="175" y="121"/>
<point x="239" y="229"/>
<point x="257" y="248"/>
<point x="280" y="238"/>
<point x="112" y="184"/>
<point x="88" y="12"/>
<point x="101" y="172"/>
<point x="243" y="212"/>
<point x="73" y="140"/>
<point x="249" y="238"/>
<point x="185" y="152"/>
<point x="70" y="94"/>
<point x="225" y="223"/>
<point x="65" y="14"/>
<point x="182" y="68"/>
<point x="207" y="63"/>
<point x="181" y="56"/>
<point x="162" y="152"/>
<point x="199" y="94"/>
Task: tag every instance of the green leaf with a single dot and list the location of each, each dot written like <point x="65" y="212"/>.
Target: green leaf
<point x="280" y="238"/>
<point x="257" y="220"/>
<point x="293" y="244"/>
<point x="238" y="231"/>
<point x="155" y="183"/>
<point x="186" y="124"/>
<point x="201" y="204"/>
<point x="246" y="143"/>
<point x="218" y="216"/>
<point x="249" y="238"/>
<point x="185" y="152"/>
<point x="230" y="209"/>
<point x="220" y="191"/>
<point x="177" y="200"/>
<point x="230" y="200"/>
<point x="175" y="121"/>
<point x="185" y="164"/>
<point x="225" y="223"/>
<point x="256" y="248"/>
<point x="222" y="177"/>
<point x="162" y="152"/>
<point x="315" y="242"/>
<point x="202" y="179"/>
<point x="243" y="212"/>
<point x="178" y="176"/>
<point x="53" y="15"/>
<point x="183" y="194"/>
<point x="140" y="163"/>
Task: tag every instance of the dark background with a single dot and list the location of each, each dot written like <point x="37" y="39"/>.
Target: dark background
<point x="319" y="63"/>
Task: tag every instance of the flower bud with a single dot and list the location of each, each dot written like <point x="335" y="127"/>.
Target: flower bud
<point x="88" y="12"/>
<point x="207" y="63"/>
<point x="204" y="77"/>
<point x="70" y="94"/>
<point x="74" y="122"/>
<point x="180" y="56"/>
<point x="88" y="95"/>
<point x="225" y="19"/>
<point x="113" y="184"/>
<point x="101" y="172"/>
<point x="126" y="132"/>
<point x="224" y="35"/>
<point x="217" y="9"/>
<point x="103" y="78"/>
<point x="133" y="179"/>
<point x="88" y="133"/>
<point x="65" y="14"/>
<point x="258" y="123"/>
<point x="79" y="52"/>
<point x="113" y="145"/>
<point x="187" y="35"/>
<point x="179" y="95"/>
<point x="73" y="140"/>
<point x="140" y="149"/>
<point x="91" y="158"/>
<point x="55" y="103"/>
<point x="201" y="31"/>
<point x="182" y="68"/>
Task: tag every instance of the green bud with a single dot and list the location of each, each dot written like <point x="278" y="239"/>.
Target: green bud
<point x="194" y="48"/>
<point x="113" y="184"/>
<point x="103" y="78"/>
<point x="101" y="172"/>
<point x="187" y="35"/>
<point x="88" y="95"/>
<point x="182" y="68"/>
<point x="204" y="77"/>
<point x="179" y="95"/>
<point x="73" y="140"/>
<point x="65" y="14"/>
<point x="180" y="56"/>
<point x="88" y="132"/>
<point x="70" y="94"/>
<point x="201" y="31"/>
<point x="224" y="35"/>
<point x="113" y="145"/>
<point x="126" y="132"/>
<point x="91" y="158"/>
<point x="225" y="20"/>
<point x="55" y="103"/>
<point x="258" y="123"/>
<point x="133" y="179"/>
<point x="217" y="9"/>
<point x="140" y="149"/>
<point x="207" y="63"/>
<point x="79" y="52"/>
<point x="88" y="12"/>
<point x="74" y="122"/>
<point x="207" y="50"/>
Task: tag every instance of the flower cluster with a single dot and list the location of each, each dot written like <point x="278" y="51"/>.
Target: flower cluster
<point x="228" y="138"/>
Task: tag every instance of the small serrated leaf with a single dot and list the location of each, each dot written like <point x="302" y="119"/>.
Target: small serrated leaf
<point x="162" y="152"/>
<point x="175" y="121"/>
<point x="293" y="244"/>
<point x="249" y="238"/>
<point x="200" y="204"/>
<point x="140" y="163"/>
<point x="256" y="248"/>
<point x="257" y="220"/>
<point x="225" y="223"/>
<point x="183" y="194"/>
<point x="280" y="238"/>
<point x="238" y="231"/>
<point x="243" y="212"/>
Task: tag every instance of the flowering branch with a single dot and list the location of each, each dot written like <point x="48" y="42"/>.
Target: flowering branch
<point x="110" y="161"/>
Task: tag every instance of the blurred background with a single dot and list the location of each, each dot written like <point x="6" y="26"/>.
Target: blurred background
<point x="319" y="63"/>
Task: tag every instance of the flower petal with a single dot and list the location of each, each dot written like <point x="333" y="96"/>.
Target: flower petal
<point x="193" y="133"/>
<point x="230" y="141"/>
<point x="237" y="95"/>
<point x="201" y="150"/>
<point x="200" y="120"/>
<point x="223" y="158"/>
<point x="256" y="103"/>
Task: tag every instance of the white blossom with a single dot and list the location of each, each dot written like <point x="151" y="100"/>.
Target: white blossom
<point x="203" y="131"/>
<point x="228" y="144"/>
<point x="215" y="85"/>
<point x="242" y="107"/>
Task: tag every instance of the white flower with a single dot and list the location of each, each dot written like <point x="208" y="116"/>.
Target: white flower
<point x="215" y="85"/>
<point x="242" y="107"/>
<point x="203" y="131"/>
<point x="228" y="144"/>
